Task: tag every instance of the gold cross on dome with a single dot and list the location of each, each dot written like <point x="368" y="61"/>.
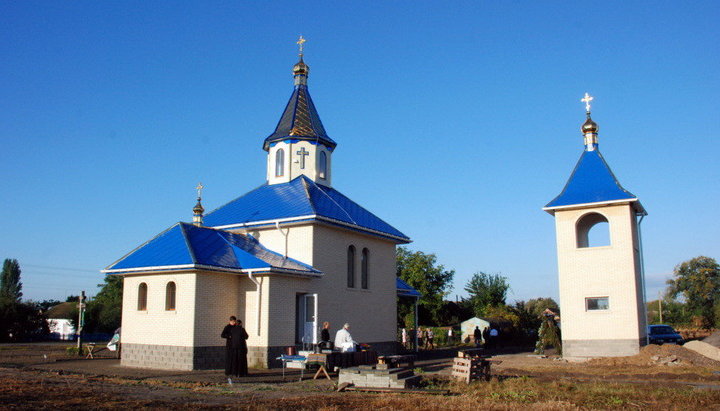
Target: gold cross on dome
<point x="587" y="99"/>
<point x="199" y="188"/>
<point x="300" y="43"/>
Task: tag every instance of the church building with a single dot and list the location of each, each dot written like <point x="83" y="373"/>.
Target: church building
<point x="599" y="253"/>
<point x="283" y="258"/>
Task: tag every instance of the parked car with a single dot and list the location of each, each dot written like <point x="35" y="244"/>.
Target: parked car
<point x="661" y="334"/>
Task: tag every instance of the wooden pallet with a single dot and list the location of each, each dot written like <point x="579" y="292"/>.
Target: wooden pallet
<point x="472" y="368"/>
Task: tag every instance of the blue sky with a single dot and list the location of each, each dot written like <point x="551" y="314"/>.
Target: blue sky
<point x="455" y="121"/>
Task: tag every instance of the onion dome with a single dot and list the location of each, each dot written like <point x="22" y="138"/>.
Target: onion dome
<point x="589" y="126"/>
<point x="198" y="209"/>
<point x="301" y="69"/>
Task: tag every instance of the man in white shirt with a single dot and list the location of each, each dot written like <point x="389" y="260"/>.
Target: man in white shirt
<point x="343" y="339"/>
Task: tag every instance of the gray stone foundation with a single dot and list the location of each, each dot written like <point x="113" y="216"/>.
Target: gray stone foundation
<point x="170" y="357"/>
<point x="601" y="348"/>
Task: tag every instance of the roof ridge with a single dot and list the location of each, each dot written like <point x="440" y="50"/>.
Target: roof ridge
<point x="304" y="180"/>
<point x="335" y="202"/>
<point x="186" y="237"/>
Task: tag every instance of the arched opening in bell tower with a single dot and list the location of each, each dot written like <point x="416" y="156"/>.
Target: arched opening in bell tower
<point x="592" y="230"/>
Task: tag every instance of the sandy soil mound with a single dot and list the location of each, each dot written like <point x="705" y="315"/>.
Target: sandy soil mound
<point x="667" y="354"/>
<point x="713" y="339"/>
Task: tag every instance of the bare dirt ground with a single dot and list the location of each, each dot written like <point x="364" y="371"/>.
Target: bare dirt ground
<point x="41" y="376"/>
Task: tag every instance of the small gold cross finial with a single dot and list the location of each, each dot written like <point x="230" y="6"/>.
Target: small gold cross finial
<point x="300" y="43"/>
<point x="587" y="99"/>
<point x="199" y="188"/>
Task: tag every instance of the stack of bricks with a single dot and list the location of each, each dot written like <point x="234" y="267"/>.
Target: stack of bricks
<point x="378" y="376"/>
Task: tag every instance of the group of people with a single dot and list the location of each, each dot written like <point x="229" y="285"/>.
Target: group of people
<point x="235" y="336"/>
<point x="343" y="340"/>
<point x="425" y="338"/>
<point x="487" y="337"/>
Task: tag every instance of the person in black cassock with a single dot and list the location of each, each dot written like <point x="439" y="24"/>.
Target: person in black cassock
<point x="235" y="349"/>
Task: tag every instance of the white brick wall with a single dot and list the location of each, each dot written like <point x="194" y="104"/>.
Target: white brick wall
<point x="156" y="325"/>
<point x="608" y="271"/>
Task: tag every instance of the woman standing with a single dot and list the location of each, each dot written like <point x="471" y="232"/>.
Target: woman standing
<point x="235" y="349"/>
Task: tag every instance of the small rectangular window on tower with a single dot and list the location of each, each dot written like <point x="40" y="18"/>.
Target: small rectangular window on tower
<point x="597" y="303"/>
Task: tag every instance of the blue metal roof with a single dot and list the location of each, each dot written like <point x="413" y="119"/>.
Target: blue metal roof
<point x="300" y="121"/>
<point x="184" y="245"/>
<point x="298" y="198"/>
<point x="591" y="181"/>
<point x="404" y="290"/>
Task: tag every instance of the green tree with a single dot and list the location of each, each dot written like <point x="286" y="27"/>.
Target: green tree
<point x="103" y="312"/>
<point x="537" y="306"/>
<point x="486" y="290"/>
<point x="422" y="272"/>
<point x="698" y="281"/>
<point x="18" y="320"/>
<point x="10" y="285"/>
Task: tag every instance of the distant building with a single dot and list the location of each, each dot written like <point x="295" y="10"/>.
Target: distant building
<point x="60" y="321"/>
<point x="467" y="328"/>
<point x="601" y="284"/>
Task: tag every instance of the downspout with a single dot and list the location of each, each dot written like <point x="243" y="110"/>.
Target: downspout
<point x="277" y="226"/>
<point x="258" y="290"/>
<point x="642" y="276"/>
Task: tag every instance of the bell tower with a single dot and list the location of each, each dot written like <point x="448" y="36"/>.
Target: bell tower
<point x="599" y="252"/>
<point x="299" y="145"/>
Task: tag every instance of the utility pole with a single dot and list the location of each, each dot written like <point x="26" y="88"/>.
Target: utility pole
<point x="81" y="321"/>
<point x="660" y="308"/>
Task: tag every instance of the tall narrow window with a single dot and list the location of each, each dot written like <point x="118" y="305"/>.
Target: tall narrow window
<point x="592" y="230"/>
<point x="322" y="166"/>
<point x="170" y="296"/>
<point x="142" y="297"/>
<point x="279" y="163"/>
<point x="351" y="266"/>
<point x="364" y="261"/>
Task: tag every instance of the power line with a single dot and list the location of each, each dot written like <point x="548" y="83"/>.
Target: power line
<point x="59" y="268"/>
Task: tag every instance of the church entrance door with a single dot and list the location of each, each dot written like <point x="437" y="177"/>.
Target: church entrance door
<point x="306" y="320"/>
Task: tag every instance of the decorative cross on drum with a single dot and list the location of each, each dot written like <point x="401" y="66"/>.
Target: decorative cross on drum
<point x="302" y="153"/>
<point x="300" y="43"/>
<point x="199" y="188"/>
<point x="587" y="99"/>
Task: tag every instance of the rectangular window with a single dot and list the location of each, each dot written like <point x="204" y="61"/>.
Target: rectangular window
<point x="597" y="303"/>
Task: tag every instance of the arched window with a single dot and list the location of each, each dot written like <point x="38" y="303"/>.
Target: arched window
<point x="279" y="163"/>
<point x="170" y="296"/>
<point x="351" y="266"/>
<point x="364" y="261"/>
<point x="592" y="230"/>
<point x="142" y="297"/>
<point x="322" y="165"/>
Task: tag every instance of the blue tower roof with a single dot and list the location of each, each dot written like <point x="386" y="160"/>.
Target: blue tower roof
<point x="299" y="200"/>
<point x="185" y="246"/>
<point x="300" y="121"/>
<point x="591" y="181"/>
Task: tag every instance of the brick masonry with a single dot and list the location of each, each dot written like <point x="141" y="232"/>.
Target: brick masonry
<point x="601" y="348"/>
<point x="367" y="376"/>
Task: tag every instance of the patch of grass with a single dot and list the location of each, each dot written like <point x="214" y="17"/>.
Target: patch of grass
<point x="595" y="394"/>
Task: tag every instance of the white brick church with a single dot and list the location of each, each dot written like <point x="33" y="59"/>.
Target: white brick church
<point x="283" y="258"/>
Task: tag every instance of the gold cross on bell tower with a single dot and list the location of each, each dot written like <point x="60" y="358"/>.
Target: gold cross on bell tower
<point x="587" y="99"/>
<point x="300" y="43"/>
<point x="199" y="189"/>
